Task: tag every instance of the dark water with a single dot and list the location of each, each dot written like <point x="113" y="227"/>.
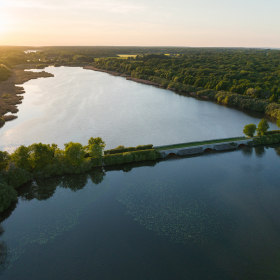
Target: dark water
<point x="213" y="216"/>
<point x="78" y="104"/>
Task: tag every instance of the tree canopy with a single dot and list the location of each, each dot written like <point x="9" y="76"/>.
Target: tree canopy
<point x="249" y="130"/>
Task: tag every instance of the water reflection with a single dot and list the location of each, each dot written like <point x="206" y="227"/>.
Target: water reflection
<point x="3" y="252"/>
<point x="247" y="151"/>
<point x="260" y="151"/>
<point x="43" y="189"/>
<point x="277" y="150"/>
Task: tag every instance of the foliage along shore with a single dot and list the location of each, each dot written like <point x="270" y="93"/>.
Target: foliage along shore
<point x="11" y="94"/>
<point x="221" y="97"/>
<point x="248" y="79"/>
<point x="39" y="161"/>
<point x="43" y="161"/>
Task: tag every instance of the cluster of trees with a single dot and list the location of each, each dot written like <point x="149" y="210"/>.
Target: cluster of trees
<point x="263" y="126"/>
<point x="262" y="129"/>
<point x="5" y="72"/>
<point x="41" y="161"/>
<point x="44" y="160"/>
<point x="254" y="73"/>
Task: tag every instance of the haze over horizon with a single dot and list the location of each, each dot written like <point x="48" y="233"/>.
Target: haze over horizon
<point x="187" y="23"/>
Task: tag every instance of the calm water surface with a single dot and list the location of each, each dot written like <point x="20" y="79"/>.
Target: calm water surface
<point x="214" y="216"/>
<point x="77" y="104"/>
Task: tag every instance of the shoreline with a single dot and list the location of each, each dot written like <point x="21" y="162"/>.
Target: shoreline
<point x="129" y="78"/>
<point x="11" y="93"/>
<point x="271" y="110"/>
<point x="14" y="176"/>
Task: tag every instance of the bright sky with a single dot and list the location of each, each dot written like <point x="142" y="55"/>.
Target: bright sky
<point x="195" y="23"/>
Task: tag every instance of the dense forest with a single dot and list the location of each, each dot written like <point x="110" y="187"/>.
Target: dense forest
<point x="246" y="78"/>
<point x="255" y="73"/>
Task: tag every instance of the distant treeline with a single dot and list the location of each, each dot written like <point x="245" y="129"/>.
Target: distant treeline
<point x="42" y="161"/>
<point x="247" y="79"/>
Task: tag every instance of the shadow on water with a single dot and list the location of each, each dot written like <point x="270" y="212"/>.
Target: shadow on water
<point x="216" y="214"/>
<point x="43" y="189"/>
<point x="3" y="253"/>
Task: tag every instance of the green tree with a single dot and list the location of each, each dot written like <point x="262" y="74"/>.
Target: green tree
<point x="7" y="195"/>
<point x="21" y="157"/>
<point x="4" y="160"/>
<point x="74" y="153"/>
<point x="249" y="130"/>
<point x="278" y="122"/>
<point x="263" y="126"/>
<point x="41" y="155"/>
<point x="97" y="141"/>
<point x="95" y="151"/>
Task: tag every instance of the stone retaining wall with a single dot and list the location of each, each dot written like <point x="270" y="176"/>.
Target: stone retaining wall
<point x="199" y="149"/>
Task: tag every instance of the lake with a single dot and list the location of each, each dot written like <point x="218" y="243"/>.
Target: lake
<point x="78" y="104"/>
<point x="212" y="216"/>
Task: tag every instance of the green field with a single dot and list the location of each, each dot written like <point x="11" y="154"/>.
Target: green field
<point x="199" y="143"/>
<point x="126" y="55"/>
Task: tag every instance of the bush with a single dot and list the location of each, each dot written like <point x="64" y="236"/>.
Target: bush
<point x="122" y="149"/>
<point x="16" y="176"/>
<point x="144" y="147"/>
<point x="267" y="139"/>
<point x="96" y="161"/>
<point x="7" y="195"/>
<point x="110" y="159"/>
<point x="127" y="157"/>
<point x="140" y="155"/>
<point x="4" y="160"/>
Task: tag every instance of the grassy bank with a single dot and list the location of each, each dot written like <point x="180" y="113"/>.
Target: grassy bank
<point x="185" y="145"/>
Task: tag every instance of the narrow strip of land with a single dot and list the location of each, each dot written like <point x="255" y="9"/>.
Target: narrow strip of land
<point x="192" y="144"/>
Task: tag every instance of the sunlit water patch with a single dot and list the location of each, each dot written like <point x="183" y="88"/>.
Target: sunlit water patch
<point x="77" y="104"/>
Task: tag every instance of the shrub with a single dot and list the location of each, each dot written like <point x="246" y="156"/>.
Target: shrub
<point x="21" y="157"/>
<point x="16" y="176"/>
<point x="122" y="149"/>
<point x="110" y="159"/>
<point x="127" y="157"/>
<point x="144" y="147"/>
<point x="7" y="195"/>
<point x="96" y="161"/>
<point x="249" y="130"/>
<point x="4" y="160"/>
<point x="119" y="150"/>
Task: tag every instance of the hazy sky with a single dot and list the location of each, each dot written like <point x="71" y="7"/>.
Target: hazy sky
<point x="197" y="23"/>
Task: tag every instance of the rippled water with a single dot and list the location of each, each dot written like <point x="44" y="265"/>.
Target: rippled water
<point x="214" y="216"/>
<point x="77" y="104"/>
